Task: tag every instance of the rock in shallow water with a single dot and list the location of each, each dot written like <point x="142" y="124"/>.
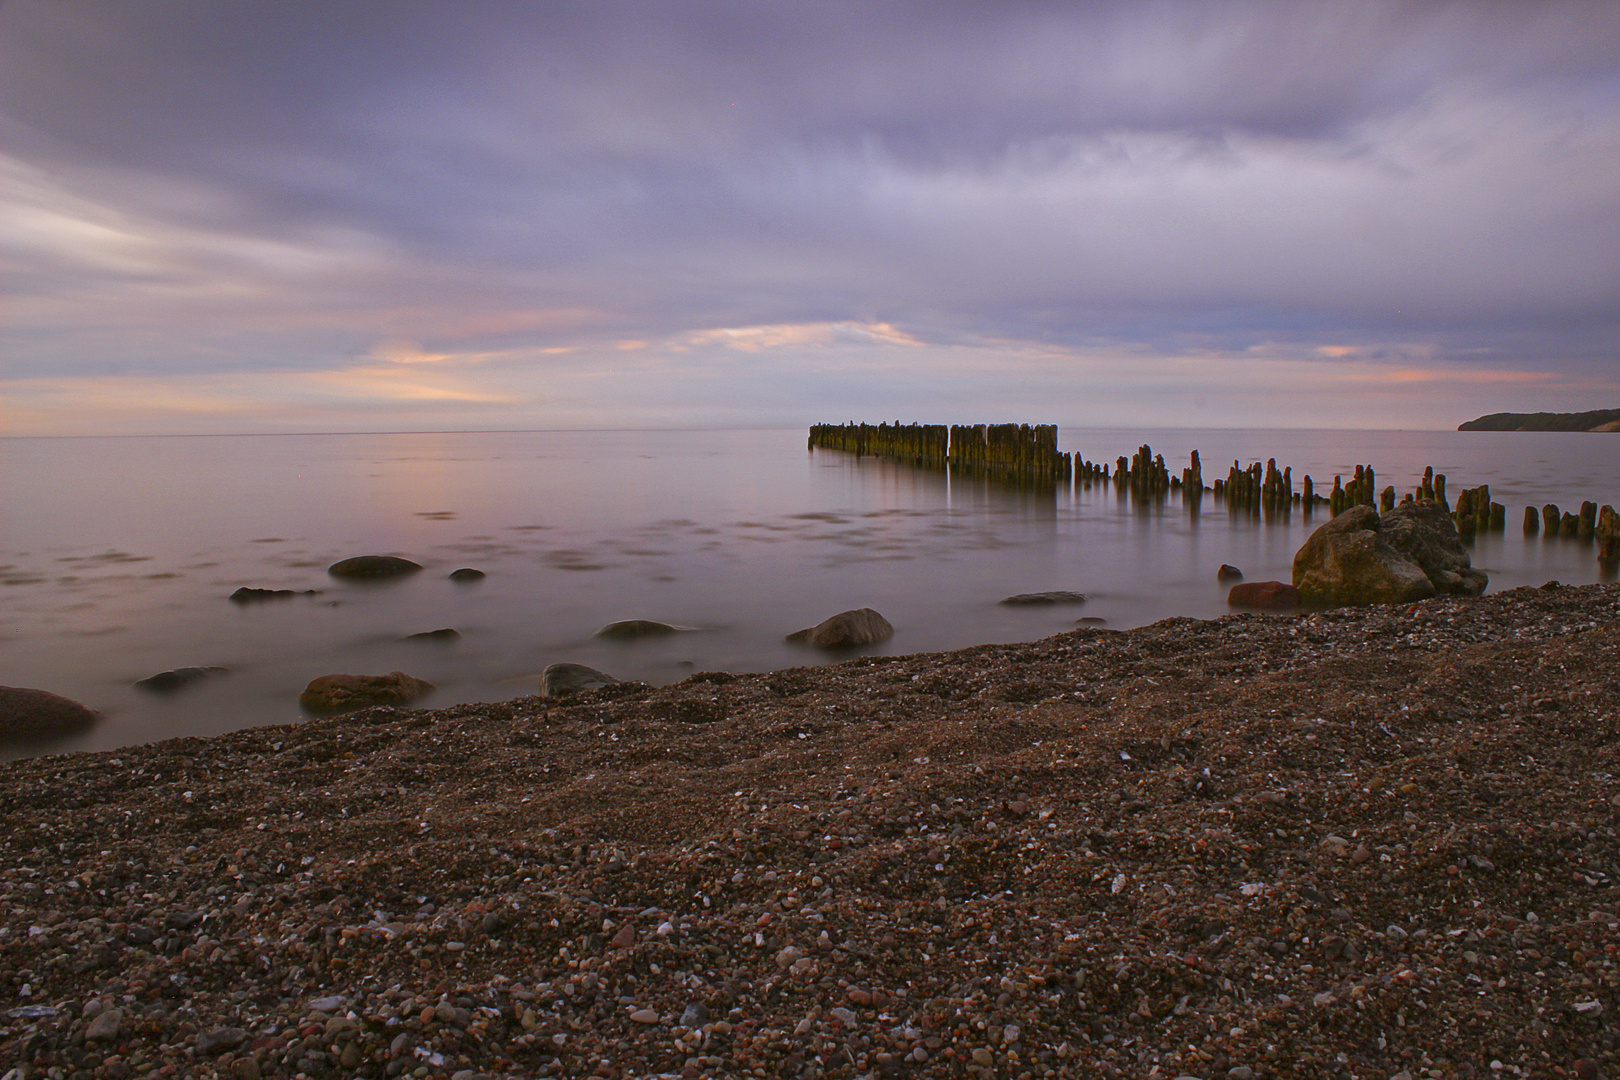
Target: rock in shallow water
<point x="466" y="573"/>
<point x="846" y="630"/>
<point x="344" y="693"/>
<point x="1411" y="553"/>
<point x="445" y="634"/>
<point x="1045" y="599"/>
<point x="170" y="681"/>
<point x="40" y="714"/>
<point x="559" y="680"/>
<point x="1269" y="595"/>
<point x="373" y="566"/>
<point x="630" y="629"/>
<point x="248" y="595"/>
<point x="1228" y="572"/>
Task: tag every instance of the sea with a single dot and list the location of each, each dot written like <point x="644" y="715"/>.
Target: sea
<point x="118" y="555"/>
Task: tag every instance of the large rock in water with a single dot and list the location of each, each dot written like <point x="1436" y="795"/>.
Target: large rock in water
<point x="846" y="630"/>
<point x="345" y="693"/>
<point x="373" y="566"/>
<point x="39" y="714"/>
<point x="1410" y="553"/>
<point x="560" y="680"/>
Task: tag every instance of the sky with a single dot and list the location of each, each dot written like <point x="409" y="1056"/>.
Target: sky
<point x="417" y="215"/>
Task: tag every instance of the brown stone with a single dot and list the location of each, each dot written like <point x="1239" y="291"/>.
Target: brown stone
<point x="345" y="693"/>
<point x="1270" y="595"/>
<point x="39" y="714"/>
<point x="846" y="630"/>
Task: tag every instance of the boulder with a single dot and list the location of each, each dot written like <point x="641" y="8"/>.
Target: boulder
<point x="1045" y="599"/>
<point x="1425" y="534"/>
<point x="1267" y="595"/>
<point x="846" y="630"/>
<point x="1412" y="552"/>
<point x="560" y="680"/>
<point x="345" y="693"/>
<point x="38" y="714"/>
<point x="445" y="634"/>
<point x="1228" y="572"/>
<point x="169" y="681"/>
<point x="466" y="573"/>
<point x="630" y="629"/>
<point x="373" y="566"/>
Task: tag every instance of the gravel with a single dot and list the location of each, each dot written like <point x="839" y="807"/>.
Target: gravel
<point x="1359" y="843"/>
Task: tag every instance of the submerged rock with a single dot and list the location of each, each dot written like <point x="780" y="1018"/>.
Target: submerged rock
<point x="1411" y="553"/>
<point x="1045" y="599"/>
<point x="179" y="678"/>
<point x="559" y="680"/>
<point x="373" y="566"/>
<point x="630" y="629"/>
<point x="846" y="630"/>
<point x="1228" y="572"/>
<point x="466" y="573"/>
<point x="248" y="595"/>
<point x="445" y="634"/>
<point x="1270" y="595"/>
<point x="344" y="693"/>
<point x="40" y="714"/>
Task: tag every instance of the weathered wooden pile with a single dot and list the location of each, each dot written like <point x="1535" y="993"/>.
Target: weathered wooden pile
<point x="1024" y="454"/>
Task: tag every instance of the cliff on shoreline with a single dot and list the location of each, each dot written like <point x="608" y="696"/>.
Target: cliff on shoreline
<point x="1596" y="420"/>
<point x="1358" y="843"/>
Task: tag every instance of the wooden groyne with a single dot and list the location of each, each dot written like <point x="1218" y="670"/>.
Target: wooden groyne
<point x="1028" y="455"/>
<point x="1025" y="454"/>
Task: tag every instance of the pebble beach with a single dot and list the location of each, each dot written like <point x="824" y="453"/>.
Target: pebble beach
<point x="1362" y="843"/>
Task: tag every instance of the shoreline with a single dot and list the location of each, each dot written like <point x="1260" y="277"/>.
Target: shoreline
<point x="1293" y="845"/>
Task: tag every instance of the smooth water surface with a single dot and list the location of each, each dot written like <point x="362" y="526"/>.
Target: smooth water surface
<point x="117" y="554"/>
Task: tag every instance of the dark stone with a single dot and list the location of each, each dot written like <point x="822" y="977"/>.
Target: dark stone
<point x="170" y="681"/>
<point x="466" y="573"/>
<point x="373" y="566"/>
<point x="220" y="1039"/>
<point x="246" y="595"/>
<point x="345" y="693"/>
<point x="846" y="630"/>
<point x="446" y="634"/>
<point x="38" y="714"/>
<point x="1227" y="572"/>
<point x="1045" y="599"/>
<point x="560" y="680"/>
<point x="1268" y="595"/>
<point x="630" y="629"/>
<point x="1091" y="620"/>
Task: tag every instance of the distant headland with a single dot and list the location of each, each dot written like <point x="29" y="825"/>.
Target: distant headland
<point x="1596" y="420"/>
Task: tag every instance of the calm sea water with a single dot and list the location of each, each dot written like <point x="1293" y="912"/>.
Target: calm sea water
<point x="117" y="554"/>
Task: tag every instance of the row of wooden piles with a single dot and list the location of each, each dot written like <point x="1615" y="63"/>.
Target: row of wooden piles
<point x="1594" y="524"/>
<point x="1027" y="454"/>
<point x="1023" y="454"/>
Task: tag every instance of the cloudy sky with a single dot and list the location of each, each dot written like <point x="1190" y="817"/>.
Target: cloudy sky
<point x="273" y="216"/>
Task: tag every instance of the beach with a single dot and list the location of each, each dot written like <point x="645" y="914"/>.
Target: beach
<point x="1370" y="842"/>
